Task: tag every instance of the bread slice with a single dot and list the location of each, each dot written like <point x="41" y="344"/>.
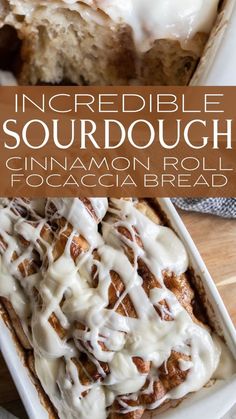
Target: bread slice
<point x="107" y="42"/>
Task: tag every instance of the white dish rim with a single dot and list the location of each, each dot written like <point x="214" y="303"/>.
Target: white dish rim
<point x="217" y="51"/>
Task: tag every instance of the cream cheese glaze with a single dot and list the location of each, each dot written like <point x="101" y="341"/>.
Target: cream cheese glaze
<point x="66" y="290"/>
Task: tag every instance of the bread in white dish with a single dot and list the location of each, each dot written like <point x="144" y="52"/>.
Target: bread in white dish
<point x="109" y="42"/>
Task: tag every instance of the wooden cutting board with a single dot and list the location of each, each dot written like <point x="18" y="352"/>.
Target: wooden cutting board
<point x="215" y="238"/>
<point x="216" y="241"/>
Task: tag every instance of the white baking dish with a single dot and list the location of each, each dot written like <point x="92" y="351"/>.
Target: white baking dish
<point x="217" y="66"/>
<point x="216" y="400"/>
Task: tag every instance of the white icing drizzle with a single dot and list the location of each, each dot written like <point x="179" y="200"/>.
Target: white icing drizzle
<point x="59" y="295"/>
<point x="160" y="19"/>
<point x="76" y="213"/>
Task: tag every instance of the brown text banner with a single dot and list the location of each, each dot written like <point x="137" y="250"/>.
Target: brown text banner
<point x="117" y="141"/>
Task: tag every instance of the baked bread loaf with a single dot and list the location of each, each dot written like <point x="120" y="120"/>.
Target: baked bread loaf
<point x="109" y="42"/>
<point x="100" y="299"/>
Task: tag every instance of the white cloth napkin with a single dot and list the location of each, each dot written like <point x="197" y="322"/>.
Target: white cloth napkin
<point x="224" y="207"/>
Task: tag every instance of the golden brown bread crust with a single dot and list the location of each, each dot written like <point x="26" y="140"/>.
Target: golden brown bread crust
<point x="121" y="65"/>
<point x="170" y="374"/>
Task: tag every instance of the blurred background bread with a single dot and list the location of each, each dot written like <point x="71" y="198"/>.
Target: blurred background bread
<point x="96" y="43"/>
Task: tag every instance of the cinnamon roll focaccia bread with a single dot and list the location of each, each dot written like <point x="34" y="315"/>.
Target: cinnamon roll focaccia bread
<point x="101" y="301"/>
<point x="109" y="42"/>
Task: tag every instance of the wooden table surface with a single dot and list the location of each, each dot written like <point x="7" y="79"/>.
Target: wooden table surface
<point x="216" y="241"/>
